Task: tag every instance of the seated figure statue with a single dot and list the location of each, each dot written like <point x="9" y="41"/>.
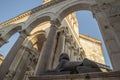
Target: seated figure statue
<point x="66" y="66"/>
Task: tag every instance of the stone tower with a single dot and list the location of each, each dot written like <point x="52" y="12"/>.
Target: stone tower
<point x="52" y="28"/>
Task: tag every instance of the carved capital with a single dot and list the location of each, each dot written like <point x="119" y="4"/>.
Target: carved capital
<point x="61" y="29"/>
<point x="24" y="33"/>
<point x="55" y="23"/>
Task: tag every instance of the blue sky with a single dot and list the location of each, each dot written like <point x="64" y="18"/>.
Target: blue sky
<point x="12" y="8"/>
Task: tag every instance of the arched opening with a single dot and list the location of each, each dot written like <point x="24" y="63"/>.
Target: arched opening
<point x="7" y="47"/>
<point x="37" y="40"/>
<point x="11" y="36"/>
<point x="12" y="32"/>
<point x="89" y="26"/>
<point x="38" y="22"/>
<point x="38" y="33"/>
<point x="69" y="10"/>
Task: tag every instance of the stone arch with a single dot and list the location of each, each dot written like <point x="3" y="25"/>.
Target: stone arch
<point x="103" y="22"/>
<point x="7" y="34"/>
<point x="13" y="31"/>
<point x="40" y="19"/>
<point x="75" y="6"/>
<point x="38" y="39"/>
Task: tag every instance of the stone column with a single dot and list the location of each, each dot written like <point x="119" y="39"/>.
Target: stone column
<point x="63" y="42"/>
<point x="71" y="54"/>
<point x="110" y="39"/>
<point x="48" y="48"/>
<point x="4" y="68"/>
<point x="21" y="68"/>
<point x="21" y="52"/>
<point x="65" y="49"/>
<point x="68" y="44"/>
<point x="60" y="48"/>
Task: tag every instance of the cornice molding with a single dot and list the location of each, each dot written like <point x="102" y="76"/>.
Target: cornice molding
<point x="90" y="38"/>
<point x="29" y="12"/>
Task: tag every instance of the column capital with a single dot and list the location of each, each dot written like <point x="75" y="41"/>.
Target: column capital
<point x="24" y="33"/>
<point x="61" y="29"/>
<point x="55" y="23"/>
<point x="3" y="41"/>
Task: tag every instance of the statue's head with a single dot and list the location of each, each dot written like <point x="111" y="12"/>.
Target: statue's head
<point x="64" y="56"/>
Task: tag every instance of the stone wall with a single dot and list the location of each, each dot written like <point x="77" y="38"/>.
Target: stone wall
<point x="93" y="48"/>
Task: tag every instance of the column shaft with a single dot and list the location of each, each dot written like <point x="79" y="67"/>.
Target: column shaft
<point x="21" y="69"/>
<point x="4" y="68"/>
<point x="60" y="48"/>
<point x="47" y="51"/>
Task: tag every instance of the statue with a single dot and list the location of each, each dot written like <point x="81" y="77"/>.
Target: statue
<point x="66" y="66"/>
<point x="76" y="67"/>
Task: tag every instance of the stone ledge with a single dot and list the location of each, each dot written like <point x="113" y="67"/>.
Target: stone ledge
<point x="83" y="76"/>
